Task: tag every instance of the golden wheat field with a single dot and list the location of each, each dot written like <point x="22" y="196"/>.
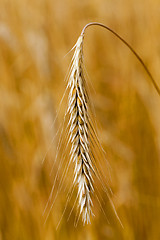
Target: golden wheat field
<point x="35" y="36"/>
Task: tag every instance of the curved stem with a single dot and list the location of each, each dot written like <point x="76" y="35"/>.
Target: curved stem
<point x="132" y="50"/>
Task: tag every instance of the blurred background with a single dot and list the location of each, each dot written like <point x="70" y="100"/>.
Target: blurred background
<point x="35" y="35"/>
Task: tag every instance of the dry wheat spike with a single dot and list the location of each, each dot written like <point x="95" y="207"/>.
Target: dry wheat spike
<point x="83" y="137"/>
<point x="81" y="129"/>
<point x="80" y="133"/>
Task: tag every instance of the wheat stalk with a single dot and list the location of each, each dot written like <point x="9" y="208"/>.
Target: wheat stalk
<point x="82" y="135"/>
<point x="81" y="128"/>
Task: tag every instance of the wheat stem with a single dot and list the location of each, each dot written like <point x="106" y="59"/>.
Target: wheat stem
<point x="129" y="46"/>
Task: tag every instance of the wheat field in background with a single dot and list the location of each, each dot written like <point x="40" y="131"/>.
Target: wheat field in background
<point x="34" y="38"/>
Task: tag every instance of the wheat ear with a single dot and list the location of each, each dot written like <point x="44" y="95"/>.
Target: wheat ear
<point x="81" y="131"/>
<point x="80" y="126"/>
<point x="79" y="134"/>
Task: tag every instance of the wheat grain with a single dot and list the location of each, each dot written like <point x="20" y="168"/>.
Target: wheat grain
<point x="80" y="134"/>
